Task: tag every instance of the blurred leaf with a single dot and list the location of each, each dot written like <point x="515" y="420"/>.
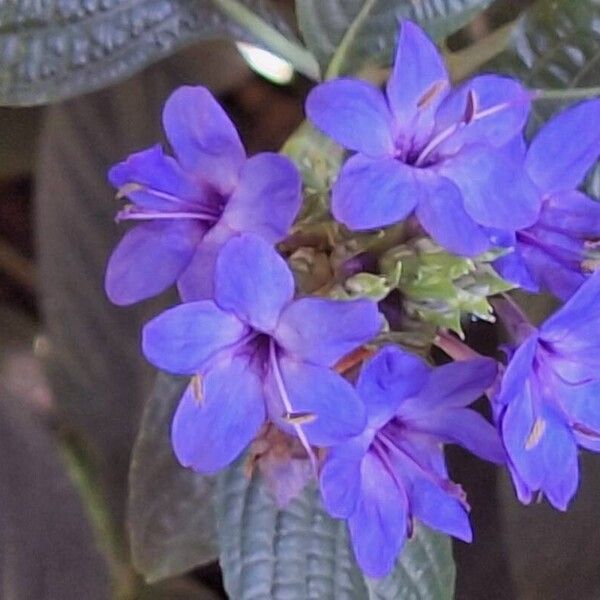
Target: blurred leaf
<point x="47" y="547"/>
<point x="170" y="508"/>
<point x="53" y="50"/>
<point x="300" y="553"/>
<point x="555" y="46"/>
<point x="346" y="35"/>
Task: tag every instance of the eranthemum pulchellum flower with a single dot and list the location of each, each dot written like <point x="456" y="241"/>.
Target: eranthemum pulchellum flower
<point x="187" y="208"/>
<point x="422" y="146"/>
<point x="395" y="471"/>
<point x="559" y="250"/>
<point x="549" y="399"/>
<point x="257" y="354"/>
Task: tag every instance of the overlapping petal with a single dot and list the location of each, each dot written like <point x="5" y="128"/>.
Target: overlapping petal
<point x="218" y="417"/>
<point x="184" y="338"/>
<point x="150" y="258"/>
<point x="387" y="380"/>
<point x="204" y="138"/>
<point x="322" y="331"/>
<point x="156" y="181"/>
<point x="372" y="193"/>
<point x="266" y="199"/>
<point x="354" y="113"/>
<point x="441" y="213"/>
<point x="318" y="391"/>
<point x="379" y="524"/>
<point x="495" y="188"/>
<point x="253" y="281"/>
<point x="197" y="282"/>
<point x="566" y="148"/>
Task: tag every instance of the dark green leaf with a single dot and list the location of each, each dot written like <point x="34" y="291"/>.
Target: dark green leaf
<point x="53" y="50"/>
<point x="170" y="508"/>
<point x="346" y="35"/>
<point x="555" y="46"/>
<point x="302" y="554"/>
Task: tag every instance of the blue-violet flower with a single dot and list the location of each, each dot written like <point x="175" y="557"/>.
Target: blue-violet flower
<point x="560" y="249"/>
<point x="187" y="208"/>
<point x="424" y="147"/>
<point x="255" y="352"/>
<point x="549" y="398"/>
<point x="395" y="470"/>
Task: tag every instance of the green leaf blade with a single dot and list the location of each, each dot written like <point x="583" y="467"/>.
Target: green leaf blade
<point x="300" y="553"/>
<point x="171" y="520"/>
<point x="56" y="50"/>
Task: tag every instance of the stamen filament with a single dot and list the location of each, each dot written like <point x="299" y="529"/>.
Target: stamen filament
<point x="141" y="215"/>
<point x="285" y="399"/>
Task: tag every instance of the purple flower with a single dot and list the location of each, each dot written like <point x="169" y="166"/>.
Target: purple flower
<point x="557" y="252"/>
<point x="395" y="471"/>
<point x="424" y="147"/>
<point x="258" y="353"/>
<point x="549" y="399"/>
<point x="188" y="207"/>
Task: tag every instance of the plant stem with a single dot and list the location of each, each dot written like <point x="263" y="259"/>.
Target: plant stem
<point x="299" y="57"/>
<point x="337" y="61"/>
<point x="567" y="94"/>
<point x="454" y="347"/>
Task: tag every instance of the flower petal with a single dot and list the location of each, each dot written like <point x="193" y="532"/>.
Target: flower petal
<point x="440" y="211"/>
<point x="203" y="137"/>
<point x="492" y="109"/>
<point x="318" y="391"/>
<point x="184" y="338"/>
<point x="197" y="282"/>
<point x="340" y="483"/>
<point x="354" y="113"/>
<point x="464" y="427"/>
<point x="454" y="385"/>
<point x="387" y="380"/>
<point x="553" y="259"/>
<point x="438" y="509"/>
<point x="372" y="193"/>
<point x="513" y="267"/>
<point x="379" y="525"/>
<point x="519" y="369"/>
<point x="267" y="198"/>
<point x="572" y="329"/>
<point x="211" y="431"/>
<point x="150" y="258"/>
<point x="566" y="148"/>
<point x="418" y="82"/>
<point x="157" y="181"/>
<point x="571" y="212"/>
<point x="253" y="281"/>
<point x="495" y="188"/>
<point x="322" y="331"/>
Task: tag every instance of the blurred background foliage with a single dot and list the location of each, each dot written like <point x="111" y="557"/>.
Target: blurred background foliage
<point x="93" y="75"/>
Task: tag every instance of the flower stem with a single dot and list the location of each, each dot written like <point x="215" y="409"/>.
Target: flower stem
<point x="517" y="325"/>
<point x="567" y="94"/>
<point x="454" y="347"/>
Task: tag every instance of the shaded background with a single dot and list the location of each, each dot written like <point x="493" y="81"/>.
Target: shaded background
<point x="56" y="232"/>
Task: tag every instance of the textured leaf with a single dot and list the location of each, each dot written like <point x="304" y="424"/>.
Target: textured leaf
<point x="56" y="49"/>
<point x="170" y="508"/>
<point x="555" y="46"/>
<point x="302" y="554"/>
<point x="352" y="32"/>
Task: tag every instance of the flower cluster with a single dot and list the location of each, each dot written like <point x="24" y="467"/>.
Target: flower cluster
<point x="321" y="363"/>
